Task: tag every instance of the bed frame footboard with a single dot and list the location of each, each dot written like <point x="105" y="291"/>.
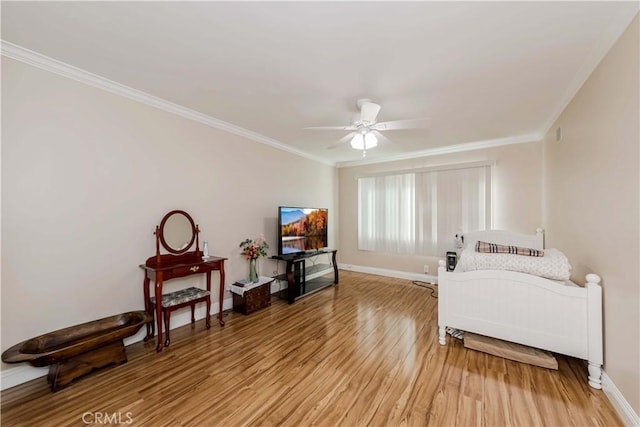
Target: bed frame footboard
<point x="525" y="309"/>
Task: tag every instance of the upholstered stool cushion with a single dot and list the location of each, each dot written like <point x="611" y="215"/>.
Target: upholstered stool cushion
<point x="182" y="296"/>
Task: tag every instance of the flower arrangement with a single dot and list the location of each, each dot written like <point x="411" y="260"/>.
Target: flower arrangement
<point x="253" y="249"/>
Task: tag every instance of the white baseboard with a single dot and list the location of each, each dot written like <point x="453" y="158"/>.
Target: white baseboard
<point x="21" y="374"/>
<point x="620" y="404"/>
<point x="390" y="273"/>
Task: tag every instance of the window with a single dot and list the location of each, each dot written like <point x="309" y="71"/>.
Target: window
<point x="419" y="213"/>
<point x="386" y="213"/>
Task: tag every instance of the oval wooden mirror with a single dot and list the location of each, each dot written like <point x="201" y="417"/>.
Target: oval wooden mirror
<point x="177" y="232"/>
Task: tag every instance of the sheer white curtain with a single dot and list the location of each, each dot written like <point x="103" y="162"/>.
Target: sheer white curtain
<point x="420" y="213"/>
<point x="451" y="201"/>
<point x="386" y="214"/>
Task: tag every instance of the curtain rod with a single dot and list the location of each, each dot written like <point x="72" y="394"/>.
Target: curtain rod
<point x="437" y="168"/>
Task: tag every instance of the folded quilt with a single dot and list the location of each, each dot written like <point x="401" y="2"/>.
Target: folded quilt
<point x="494" y="248"/>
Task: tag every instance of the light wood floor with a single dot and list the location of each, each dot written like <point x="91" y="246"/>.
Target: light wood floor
<point x="362" y="353"/>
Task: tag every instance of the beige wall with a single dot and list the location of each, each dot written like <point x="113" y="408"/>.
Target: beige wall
<point x="86" y="177"/>
<point x="591" y="200"/>
<point x="517" y="183"/>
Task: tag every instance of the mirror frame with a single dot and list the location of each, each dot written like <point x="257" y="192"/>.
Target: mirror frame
<point x="194" y="231"/>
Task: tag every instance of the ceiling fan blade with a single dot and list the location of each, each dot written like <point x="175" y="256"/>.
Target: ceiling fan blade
<point x="403" y="124"/>
<point x="381" y="138"/>
<point x="342" y="140"/>
<point x="369" y="112"/>
<point x="345" y="127"/>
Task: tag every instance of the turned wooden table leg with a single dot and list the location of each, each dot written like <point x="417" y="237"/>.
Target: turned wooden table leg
<point x="158" y="294"/>
<point x="221" y="292"/>
<point x="208" y="321"/>
<point x="335" y="268"/>
<point x="167" y="318"/>
<point x="148" y="308"/>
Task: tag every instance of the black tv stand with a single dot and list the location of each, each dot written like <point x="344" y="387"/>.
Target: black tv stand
<point x="296" y="273"/>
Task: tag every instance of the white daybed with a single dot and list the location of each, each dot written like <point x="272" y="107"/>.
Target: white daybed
<point x="561" y="317"/>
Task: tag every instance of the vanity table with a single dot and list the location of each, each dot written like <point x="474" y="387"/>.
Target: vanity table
<point x="177" y="233"/>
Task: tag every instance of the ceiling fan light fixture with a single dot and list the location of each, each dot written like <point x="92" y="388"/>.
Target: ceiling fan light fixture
<point x="370" y="141"/>
<point x="357" y="142"/>
<point x="364" y="142"/>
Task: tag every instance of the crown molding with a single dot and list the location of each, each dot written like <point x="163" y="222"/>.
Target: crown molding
<point x="35" y="59"/>
<point x="468" y="146"/>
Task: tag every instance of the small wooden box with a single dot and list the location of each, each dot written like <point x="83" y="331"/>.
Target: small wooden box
<point x="253" y="299"/>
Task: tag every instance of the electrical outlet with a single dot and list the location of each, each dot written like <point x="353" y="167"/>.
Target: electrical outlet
<point x="426" y="269"/>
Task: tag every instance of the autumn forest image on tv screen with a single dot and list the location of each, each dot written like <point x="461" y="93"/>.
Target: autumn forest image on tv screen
<point x="302" y="229"/>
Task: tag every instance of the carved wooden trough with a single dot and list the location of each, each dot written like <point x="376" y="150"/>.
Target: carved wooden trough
<point x="77" y="350"/>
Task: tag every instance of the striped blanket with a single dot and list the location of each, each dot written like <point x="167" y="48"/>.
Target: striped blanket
<point x="494" y="248"/>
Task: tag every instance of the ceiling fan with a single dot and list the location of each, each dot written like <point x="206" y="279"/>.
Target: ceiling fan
<point x="365" y="130"/>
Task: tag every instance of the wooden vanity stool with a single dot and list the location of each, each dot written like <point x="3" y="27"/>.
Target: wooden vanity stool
<point x="179" y="299"/>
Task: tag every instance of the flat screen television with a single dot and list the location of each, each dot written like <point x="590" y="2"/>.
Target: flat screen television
<point x="301" y="229"/>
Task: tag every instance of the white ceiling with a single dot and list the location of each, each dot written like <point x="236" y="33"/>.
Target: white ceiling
<point x="485" y="72"/>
